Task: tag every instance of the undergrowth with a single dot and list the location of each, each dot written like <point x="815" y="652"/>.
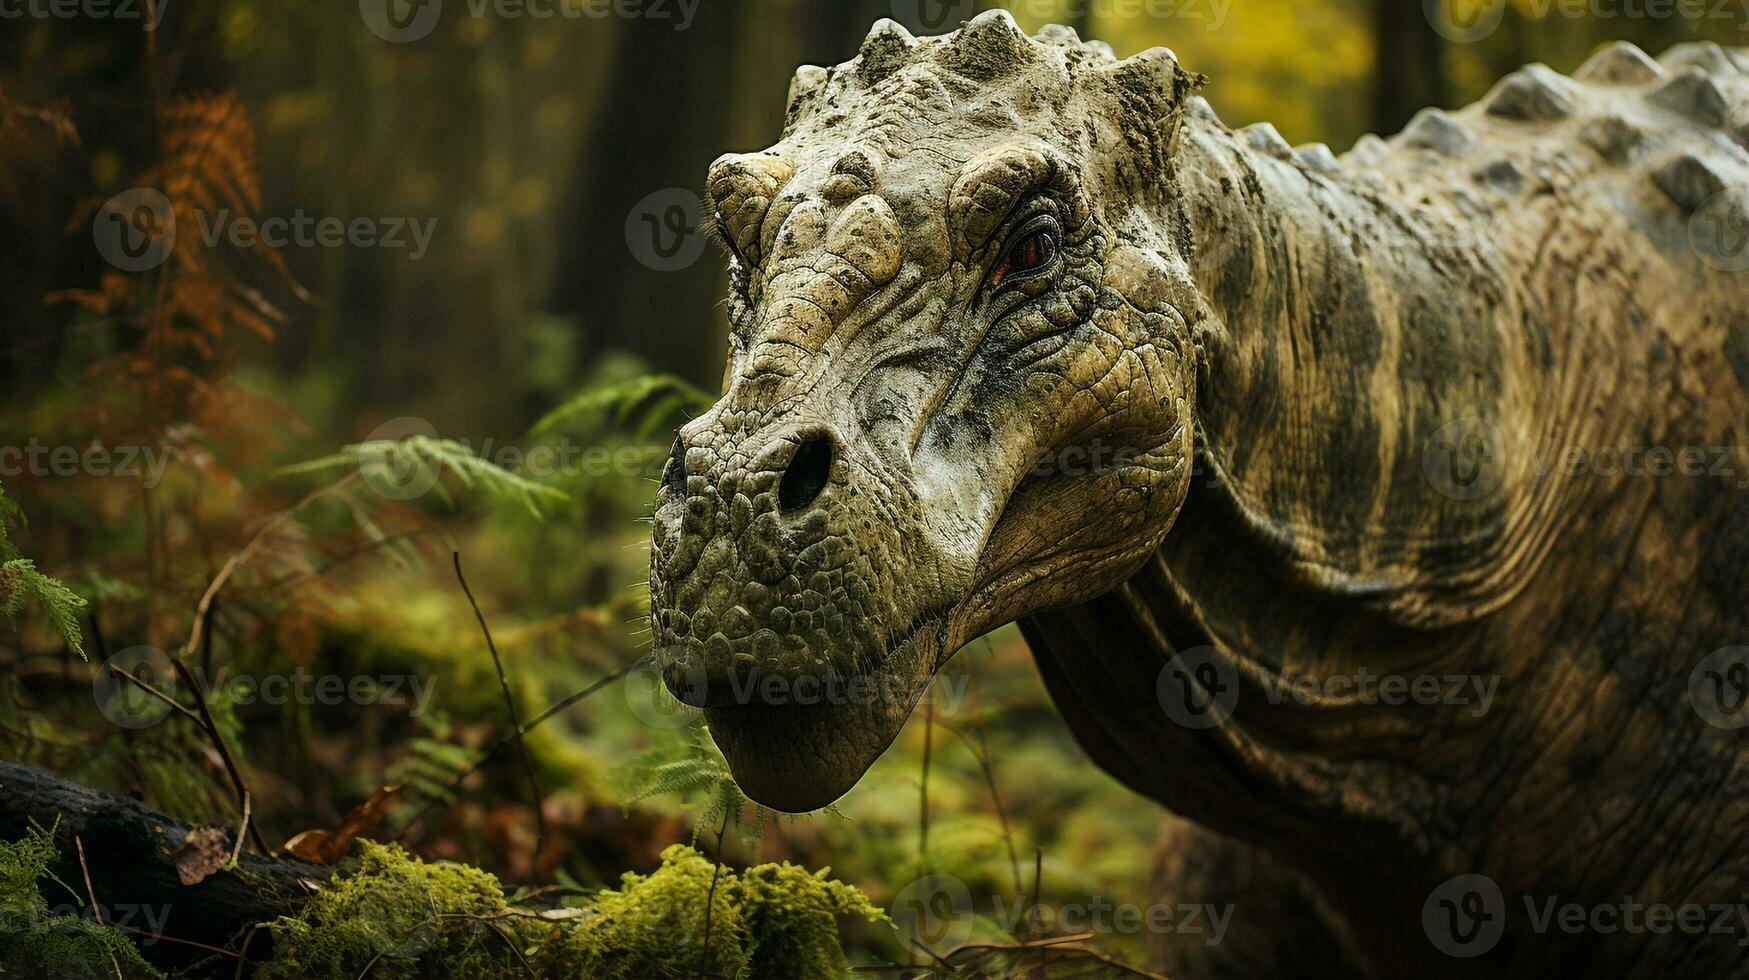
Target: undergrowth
<point x="39" y="941"/>
<point x="398" y="916"/>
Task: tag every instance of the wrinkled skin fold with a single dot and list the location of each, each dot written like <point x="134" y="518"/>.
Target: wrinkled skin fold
<point x="1022" y="332"/>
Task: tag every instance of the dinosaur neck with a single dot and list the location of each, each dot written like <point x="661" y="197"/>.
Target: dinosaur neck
<point x="1360" y="358"/>
<point x="1343" y="329"/>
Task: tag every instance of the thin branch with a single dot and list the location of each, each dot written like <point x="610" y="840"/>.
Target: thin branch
<point x="1057" y="944"/>
<point x="160" y="695"/>
<point x="711" y="895"/>
<point x="498" y="746"/>
<point x="96" y="910"/>
<point x="981" y="754"/>
<point x="212" y="730"/>
<point x="923" y="795"/>
<point x="243" y="955"/>
<point x="236" y="561"/>
<point x="1038" y="873"/>
<point x="170" y="939"/>
<point x="540" y="820"/>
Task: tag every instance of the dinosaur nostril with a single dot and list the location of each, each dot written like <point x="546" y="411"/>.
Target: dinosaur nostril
<point x="674" y="474"/>
<point x="807" y="474"/>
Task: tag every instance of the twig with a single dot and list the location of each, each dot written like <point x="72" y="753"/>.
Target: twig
<point x="371" y="963"/>
<point x="1038" y="873"/>
<point x="97" y="635"/>
<point x="540" y="820"/>
<point x="170" y="939"/>
<point x="237" y="843"/>
<point x="160" y="695"/>
<point x="236" y="561"/>
<point x="498" y="746"/>
<point x="923" y="795"/>
<point x="206" y="640"/>
<point x="336" y="560"/>
<point x="981" y="753"/>
<point x="493" y="928"/>
<point x="1058" y="944"/>
<point x="711" y="895"/>
<point x="243" y="954"/>
<point x="212" y="730"/>
<point x="96" y="910"/>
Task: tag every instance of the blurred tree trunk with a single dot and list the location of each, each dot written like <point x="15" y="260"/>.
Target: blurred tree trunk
<point x="679" y="99"/>
<point x="1410" y="72"/>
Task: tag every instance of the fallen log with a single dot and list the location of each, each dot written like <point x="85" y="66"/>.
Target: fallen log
<point x="131" y="856"/>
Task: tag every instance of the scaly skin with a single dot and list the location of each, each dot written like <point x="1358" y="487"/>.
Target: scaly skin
<point x="1271" y="358"/>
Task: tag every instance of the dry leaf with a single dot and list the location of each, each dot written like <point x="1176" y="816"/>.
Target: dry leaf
<point x="329" y="846"/>
<point x="203" y="851"/>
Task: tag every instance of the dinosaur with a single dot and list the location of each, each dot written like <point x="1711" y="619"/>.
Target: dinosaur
<point x="1022" y="332"/>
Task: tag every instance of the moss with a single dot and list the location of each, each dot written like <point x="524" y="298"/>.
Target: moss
<point x="35" y="941"/>
<point x="401" y="917"/>
<point x="398" y="917"/>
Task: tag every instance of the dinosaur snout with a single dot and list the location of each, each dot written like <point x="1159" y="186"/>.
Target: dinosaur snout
<point x="766" y="565"/>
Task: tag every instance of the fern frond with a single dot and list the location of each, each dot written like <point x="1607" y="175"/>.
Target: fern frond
<point x="424" y="460"/>
<point x="643" y="405"/>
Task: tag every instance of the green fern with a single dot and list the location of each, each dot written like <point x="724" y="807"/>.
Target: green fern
<point x="21" y="582"/>
<point x="689" y="767"/>
<point x="425" y="461"/>
<point x="642" y="405"/>
<point x="35" y="941"/>
<point x="431" y="765"/>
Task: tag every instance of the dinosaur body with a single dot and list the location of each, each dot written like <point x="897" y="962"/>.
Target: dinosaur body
<point x="1346" y="418"/>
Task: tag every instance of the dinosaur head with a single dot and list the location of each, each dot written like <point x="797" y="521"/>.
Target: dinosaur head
<point x="959" y="388"/>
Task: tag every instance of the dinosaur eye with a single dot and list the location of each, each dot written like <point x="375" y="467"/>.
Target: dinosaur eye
<point x="1033" y="253"/>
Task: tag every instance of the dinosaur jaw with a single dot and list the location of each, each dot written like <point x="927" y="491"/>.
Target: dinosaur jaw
<point x="802" y="751"/>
